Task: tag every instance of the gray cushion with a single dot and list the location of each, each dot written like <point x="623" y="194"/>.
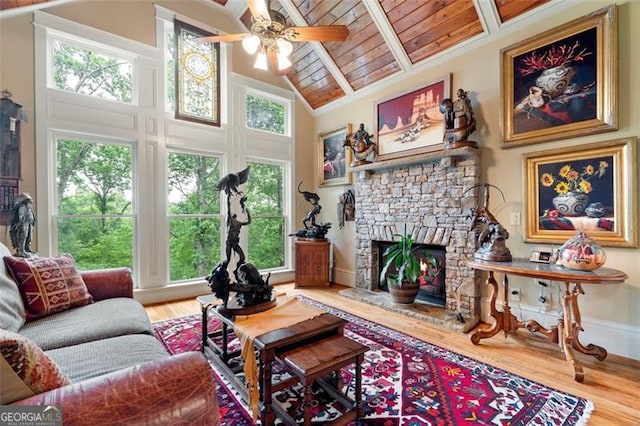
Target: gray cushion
<point x="12" y="313"/>
<point x="92" y="359"/>
<point x="100" y="320"/>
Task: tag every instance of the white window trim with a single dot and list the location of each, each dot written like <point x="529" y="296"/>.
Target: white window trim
<point x="152" y="132"/>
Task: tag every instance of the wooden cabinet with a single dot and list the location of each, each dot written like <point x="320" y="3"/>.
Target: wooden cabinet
<point x="312" y="263"/>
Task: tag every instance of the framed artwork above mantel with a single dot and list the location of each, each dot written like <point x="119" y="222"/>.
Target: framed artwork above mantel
<point x="561" y="83"/>
<point x="411" y="123"/>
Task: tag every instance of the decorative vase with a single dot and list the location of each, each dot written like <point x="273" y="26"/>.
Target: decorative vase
<point x="595" y="210"/>
<point x="582" y="253"/>
<point x="554" y="80"/>
<point x="571" y="203"/>
<point x="404" y="294"/>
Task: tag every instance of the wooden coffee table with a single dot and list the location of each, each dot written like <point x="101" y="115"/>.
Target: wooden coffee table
<point x="267" y="344"/>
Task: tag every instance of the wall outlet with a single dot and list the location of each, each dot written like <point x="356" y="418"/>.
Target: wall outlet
<point x="515" y="218"/>
<point x="514" y="294"/>
<point x="545" y="302"/>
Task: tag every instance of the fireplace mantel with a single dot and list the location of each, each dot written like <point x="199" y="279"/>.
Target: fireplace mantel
<point x="425" y="157"/>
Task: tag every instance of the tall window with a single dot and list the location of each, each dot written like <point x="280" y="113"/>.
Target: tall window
<point x="94" y="195"/>
<point x="117" y="154"/>
<point x="267" y="230"/>
<point x="194" y="215"/>
<point x="89" y="72"/>
<point x="265" y="114"/>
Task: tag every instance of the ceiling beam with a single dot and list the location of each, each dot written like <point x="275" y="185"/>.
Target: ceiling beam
<point x="388" y="34"/>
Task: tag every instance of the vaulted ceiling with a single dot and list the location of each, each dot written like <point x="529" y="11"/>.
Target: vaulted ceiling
<point x="386" y="37"/>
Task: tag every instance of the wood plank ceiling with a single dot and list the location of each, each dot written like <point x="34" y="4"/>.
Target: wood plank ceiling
<point x="386" y="37"/>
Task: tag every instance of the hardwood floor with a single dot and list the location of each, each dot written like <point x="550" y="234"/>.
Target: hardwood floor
<point x="613" y="385"/>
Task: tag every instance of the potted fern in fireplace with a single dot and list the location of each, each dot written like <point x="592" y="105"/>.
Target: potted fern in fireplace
<point x="404" y="267"/>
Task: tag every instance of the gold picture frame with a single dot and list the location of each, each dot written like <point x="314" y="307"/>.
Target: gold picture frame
<point x="333" y="157"/>
<point x="558" y="180"/>
<point x="562" y="83"/>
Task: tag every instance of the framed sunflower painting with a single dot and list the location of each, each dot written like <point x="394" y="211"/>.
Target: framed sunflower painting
<point x="590" y="188"/>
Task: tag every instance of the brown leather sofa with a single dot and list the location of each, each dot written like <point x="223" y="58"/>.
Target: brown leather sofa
<point x="119" y="372"/>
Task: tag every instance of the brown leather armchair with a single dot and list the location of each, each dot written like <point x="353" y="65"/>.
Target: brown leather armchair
<point x="178" y="390"/>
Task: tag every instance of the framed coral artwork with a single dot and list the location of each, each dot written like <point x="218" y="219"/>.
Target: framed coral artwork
<point x="590" y="188"/>
<point x="411" y="122"/>
<point x="561" y="83"/>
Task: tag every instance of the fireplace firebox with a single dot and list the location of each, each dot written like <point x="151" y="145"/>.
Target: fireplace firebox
<point x="432" y="272"/>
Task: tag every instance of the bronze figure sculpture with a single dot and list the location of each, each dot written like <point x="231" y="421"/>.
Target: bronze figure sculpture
<point x="249" y="287"/>
<point x="459" y="121"/>
<point x="361" y="146"/>
<point x="312" y="230"/>
<point x="492" y="236"/>
<point x="22" y="225"/>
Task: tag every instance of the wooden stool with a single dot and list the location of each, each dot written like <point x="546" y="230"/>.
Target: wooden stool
<point x="314" y="360"/>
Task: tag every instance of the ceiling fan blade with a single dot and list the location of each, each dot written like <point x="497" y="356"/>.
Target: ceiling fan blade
<point x="259" y="8"/>
<point x="224" y="37"/>
<point x="273" y="64"/>
<point x="321" y="33"/>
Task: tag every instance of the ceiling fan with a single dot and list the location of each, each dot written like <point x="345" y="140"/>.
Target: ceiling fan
<point x="271" y="38"/>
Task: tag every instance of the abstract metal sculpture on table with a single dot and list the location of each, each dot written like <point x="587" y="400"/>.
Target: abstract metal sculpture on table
<point x="459" y="121"/>
<point x="312" y="230"/>
<point x="492" y="237"/>
<point x="362" y="146"/>
<point x="249" y="286"/>
<point x="22" y="225"/>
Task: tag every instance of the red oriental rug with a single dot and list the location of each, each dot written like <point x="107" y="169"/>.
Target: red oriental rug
<point x="406" y="381"/>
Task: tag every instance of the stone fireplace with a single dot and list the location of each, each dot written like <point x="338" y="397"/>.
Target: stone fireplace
<point x="429" y="195"/>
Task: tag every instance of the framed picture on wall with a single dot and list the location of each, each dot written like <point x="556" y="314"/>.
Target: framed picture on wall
<point x="411" y="122"/>
<point x="561" y="83"/>
<point x="590" y="188"/>
<point x="334" y="157"/>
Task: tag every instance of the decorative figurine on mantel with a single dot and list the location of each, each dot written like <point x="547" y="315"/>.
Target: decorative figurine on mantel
<point x="250" y="288"/>
<point x="361" y="145"/>
<point x="459" y="121"/>
<point x="492" y="237"/>
<point x="312" y="230"/>
<point x="22" y="225"/>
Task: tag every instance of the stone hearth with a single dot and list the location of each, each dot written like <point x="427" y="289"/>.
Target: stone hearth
<point x="427" y="194"/>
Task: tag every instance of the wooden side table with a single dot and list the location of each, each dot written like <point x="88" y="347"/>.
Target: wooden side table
<point x="312" y="263"/>
<point x="567" y="332"/>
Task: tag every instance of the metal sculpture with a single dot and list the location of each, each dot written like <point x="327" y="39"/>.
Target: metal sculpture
<point x="492" y="236"/>
<point x="249" y="287"/>
<point x="22" y="225"/>
<point x="312" y="230"/>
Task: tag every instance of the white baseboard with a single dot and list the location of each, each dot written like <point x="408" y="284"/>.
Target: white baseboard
<point x="344" y="277"/>
<point x="616" y="338"/>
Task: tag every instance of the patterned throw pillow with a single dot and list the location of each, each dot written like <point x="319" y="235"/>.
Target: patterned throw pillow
<point x="48" y="284"/>
<point x="36" y="370"/>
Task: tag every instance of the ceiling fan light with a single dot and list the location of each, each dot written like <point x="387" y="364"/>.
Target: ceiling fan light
<point x="261" y="62"/>
<point x="250" y="44"/>
<point x="284" y="47"/>
<point x="283" y="62"/>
